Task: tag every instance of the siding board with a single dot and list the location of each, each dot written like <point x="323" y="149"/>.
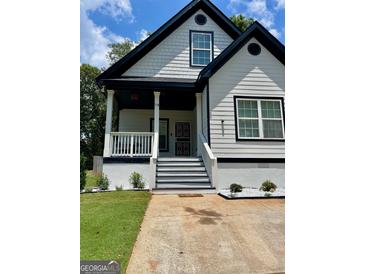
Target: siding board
<point x="243" y="75"/>
<point x="171" y="58"/>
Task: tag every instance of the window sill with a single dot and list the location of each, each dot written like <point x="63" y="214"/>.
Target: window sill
<point x="259" y="139"/>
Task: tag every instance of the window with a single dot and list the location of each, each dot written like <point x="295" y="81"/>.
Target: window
<point x="259" y="118"/>
<point x="163" y="137"/>
<point x="201" y="48"/>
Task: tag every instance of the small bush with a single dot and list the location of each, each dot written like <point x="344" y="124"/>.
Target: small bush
<point x="119" y="188"/>
<point x="82" y="172"/>
<point x="88" y="190"/>
<point x="235" y="188"/>
<point x="136" y="180"/>
<point x="267" y="194"/>
<point x="268" y="186"/>
<point x="103" y="182"/>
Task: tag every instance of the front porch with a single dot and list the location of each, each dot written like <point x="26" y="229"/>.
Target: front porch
<point x="135" y="113"/>
<point x="144" y="124"/>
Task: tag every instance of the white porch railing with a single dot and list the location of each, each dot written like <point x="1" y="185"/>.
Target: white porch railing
<point x="131" y="144"/>
<point x="210" y="161"/>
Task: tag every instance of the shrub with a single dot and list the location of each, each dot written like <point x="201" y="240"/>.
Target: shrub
<point x="119" y="188"/>
<point x="82" y="172"/>
<point x="136" y="180"/>
<point x="103" y="182"/>
<point x="88" y="190"/>
<point x="235" y="188"/>
<point x="268" y="186"/>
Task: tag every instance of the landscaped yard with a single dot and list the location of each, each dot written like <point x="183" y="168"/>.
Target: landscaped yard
<point x="110" y="224"/>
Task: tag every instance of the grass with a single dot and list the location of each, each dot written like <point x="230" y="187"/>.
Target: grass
<point x="91" y="179"/>
<point x="110" y="223"/>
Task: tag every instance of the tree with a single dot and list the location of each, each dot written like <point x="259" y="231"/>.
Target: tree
<point x="119" y="50"/>
<point x="92" y="114"/>
<point x="241" y="21"/>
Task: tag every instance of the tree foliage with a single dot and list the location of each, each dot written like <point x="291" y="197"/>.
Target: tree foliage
<point x="241" y="21"/>
<point x="92" y="114"/>
<point x="119" y="50"/>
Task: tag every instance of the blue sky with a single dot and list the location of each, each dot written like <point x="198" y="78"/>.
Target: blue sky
<point x="106" y="21"/>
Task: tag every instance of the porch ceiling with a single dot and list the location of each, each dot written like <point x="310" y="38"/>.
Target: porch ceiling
<point x="144" y="99"/>
<point x="151" y="83"/>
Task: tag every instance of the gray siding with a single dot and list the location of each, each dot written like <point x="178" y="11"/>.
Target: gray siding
<point x="243" y="74"/>
<point x="171" y="58"/>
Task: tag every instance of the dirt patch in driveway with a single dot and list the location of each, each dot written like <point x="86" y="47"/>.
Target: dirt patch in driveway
<point x="210" y="235"/>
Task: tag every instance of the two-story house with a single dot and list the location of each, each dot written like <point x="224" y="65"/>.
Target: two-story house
<point x="199" y="105"/>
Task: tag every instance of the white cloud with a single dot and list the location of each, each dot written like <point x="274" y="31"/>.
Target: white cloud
<point x="275" y="32"/>
<point x="94" y="39"/>
<point x="279" y="4"/>
<point x="143" y="34"/>
<point x="258" y="10"/>
<point x="114" y="8"/>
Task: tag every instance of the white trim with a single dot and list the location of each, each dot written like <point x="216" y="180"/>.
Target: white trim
<point x="259" y="118"/>
<point x="202" y="49"/>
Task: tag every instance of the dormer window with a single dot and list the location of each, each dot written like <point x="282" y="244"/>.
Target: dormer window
<point x="201" y="48"/>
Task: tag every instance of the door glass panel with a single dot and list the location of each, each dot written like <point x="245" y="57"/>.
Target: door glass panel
<point x="163" y="138"/>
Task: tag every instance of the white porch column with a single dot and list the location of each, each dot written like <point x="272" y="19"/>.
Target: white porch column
<point x="108" y="123"/>
<point x="157" y="112"/>
<point x="198" y="121"/>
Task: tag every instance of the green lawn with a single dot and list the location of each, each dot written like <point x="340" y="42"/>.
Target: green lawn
<point x="91" y="179"/>
<point x="110" y="224"/>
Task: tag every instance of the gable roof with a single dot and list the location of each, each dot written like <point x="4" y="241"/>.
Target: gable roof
<point x="256" y="30"/>
<point x="153" y="40"/>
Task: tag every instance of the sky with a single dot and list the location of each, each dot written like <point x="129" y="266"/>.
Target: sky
<point x="108" y="21"/>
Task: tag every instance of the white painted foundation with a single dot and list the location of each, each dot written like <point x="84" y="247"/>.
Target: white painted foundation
<point x="118" y="173"/>
<point x="250" y="174"/>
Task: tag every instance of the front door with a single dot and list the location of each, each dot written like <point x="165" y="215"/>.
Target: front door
<point x="182" y="139"/>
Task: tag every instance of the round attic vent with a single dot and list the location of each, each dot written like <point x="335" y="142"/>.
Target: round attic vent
<point x="254" y="49"/>
<point x="200" y="19"/>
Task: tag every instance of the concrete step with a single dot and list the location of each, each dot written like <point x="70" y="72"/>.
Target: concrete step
<point x="180" y="159"/>
<point x="180" y="164"/>
<point x="189" y="180"/>
<point x="181" y="169"/>
<point x="182" y="174"/>
<point x="176" y="191"/>
<point x="193" y="185"/>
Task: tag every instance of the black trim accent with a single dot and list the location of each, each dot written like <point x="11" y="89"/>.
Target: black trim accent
<point x="165" y="30"/>
<point x="200" y="19"/>
<point x="251" y="160"/>
<point x="257" y="98"/>
<point x="148" y="84"/>
<point x="208" y="113"/>
<point x="254" y="49"/>
<point x="249" y="198"/>
<point x="255" y="30"/>
<point x="168" y="132"/>
<point x="135" y="160"/>
<point x="191" y="49"/>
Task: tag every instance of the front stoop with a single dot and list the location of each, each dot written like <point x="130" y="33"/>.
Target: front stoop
<point x="182" y="175"/>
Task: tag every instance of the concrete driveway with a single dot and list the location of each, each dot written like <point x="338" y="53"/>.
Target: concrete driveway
<point x="210" y="235"/>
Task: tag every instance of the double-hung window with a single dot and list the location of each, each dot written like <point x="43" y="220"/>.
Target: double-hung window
<point x="201" y="48"/>
<point x="259" y="118"/>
